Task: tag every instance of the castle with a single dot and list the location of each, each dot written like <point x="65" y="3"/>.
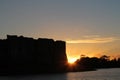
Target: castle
<point x="24" y="55"/>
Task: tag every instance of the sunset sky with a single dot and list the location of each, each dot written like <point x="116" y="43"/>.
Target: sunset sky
<point x="90" y="27"/>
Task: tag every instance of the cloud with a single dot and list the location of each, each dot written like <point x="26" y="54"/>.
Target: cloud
<point x="91" y="36"/>
<point x="93" y="40"/>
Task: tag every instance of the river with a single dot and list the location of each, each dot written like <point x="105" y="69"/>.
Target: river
<point x="101" y="74"/>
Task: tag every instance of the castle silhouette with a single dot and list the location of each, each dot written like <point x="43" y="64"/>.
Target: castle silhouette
<point x="20" y="54"/>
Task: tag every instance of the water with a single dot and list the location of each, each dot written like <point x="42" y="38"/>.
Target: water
<point x="101" y="74"/>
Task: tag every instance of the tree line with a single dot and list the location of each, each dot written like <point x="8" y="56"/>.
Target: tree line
<point x="92" y="63"/>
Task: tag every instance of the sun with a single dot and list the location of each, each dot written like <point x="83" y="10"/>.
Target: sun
<point x="72" y="60"/>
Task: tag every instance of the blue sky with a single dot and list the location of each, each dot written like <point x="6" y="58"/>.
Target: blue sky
<point x="94" y="21"/>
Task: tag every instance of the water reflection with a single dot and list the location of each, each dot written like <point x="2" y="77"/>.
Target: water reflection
<point x="102" y="74"/>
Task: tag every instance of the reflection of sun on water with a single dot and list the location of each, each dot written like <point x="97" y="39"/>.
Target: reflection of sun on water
<point x="72" y="60"/>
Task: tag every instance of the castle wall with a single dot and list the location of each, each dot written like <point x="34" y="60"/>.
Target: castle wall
<point x="39" y="53"/>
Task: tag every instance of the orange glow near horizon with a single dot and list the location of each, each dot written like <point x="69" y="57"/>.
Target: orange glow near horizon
<point x="72" y="60"/>
<point x="92" y="50"/>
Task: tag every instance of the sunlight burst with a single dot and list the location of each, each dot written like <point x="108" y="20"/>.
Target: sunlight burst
<point x="72" y="60"/>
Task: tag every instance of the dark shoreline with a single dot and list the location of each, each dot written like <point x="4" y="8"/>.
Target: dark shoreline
<point x="48" y="73"/>
<point x="41" y="73"/>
